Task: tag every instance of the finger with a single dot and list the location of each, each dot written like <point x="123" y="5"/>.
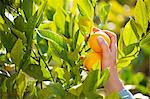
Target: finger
<point x="105" y="52"/>
<point x="103" y="44"/>
<point x="113" y="38"/>
<point x="113" y="48"/>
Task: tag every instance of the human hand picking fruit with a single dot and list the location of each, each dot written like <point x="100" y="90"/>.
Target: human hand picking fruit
<point x="93" y="39"/>
<point x="95" y="56"/>
<point x="107" y="58"/>
<point x="109" y="54"/>
<point x="104" y="46"/>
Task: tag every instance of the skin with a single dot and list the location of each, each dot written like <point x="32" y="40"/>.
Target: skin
<point x="109" y="54"/>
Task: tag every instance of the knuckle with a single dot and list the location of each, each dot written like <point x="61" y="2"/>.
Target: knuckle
<point x="114" y="35"/>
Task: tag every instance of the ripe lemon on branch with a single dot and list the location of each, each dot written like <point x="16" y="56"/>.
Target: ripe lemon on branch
<point x="95" y="56"/>
<point x="92" y="59"/>
<point x="93" y="39"/>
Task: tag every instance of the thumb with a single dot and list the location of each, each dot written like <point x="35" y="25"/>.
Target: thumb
<point x="103" y="44"/>
<point x="105" y="52"/>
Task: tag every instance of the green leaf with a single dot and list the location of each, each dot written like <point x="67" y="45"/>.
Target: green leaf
<point x="50" y="13"/>
<point x="121" y="45"/>
<point x="141" y="15"/>
<point x="147" y="3"/>
<point x="34" y="20"/>
<point x="137" y="29"/>
<point x="8" y="40"/>
<point x="21" y="83"/>
<point x="145" y="44"/>
<point x="104" y="77"/>
<point x="123" y="62"/>
<point x="75" y="40"/>
<point x="93" y="95"/>
<point x="76" y="90"/>
<point x="42" y="43"/>
<point x="53" y="91"/>
<point x="145" y="41"/>
<point x="129" y="36"/>
<point x="19" y="34"/>
<point x="90" y="83"/>
<point x="31" y="88"/>
<point x="130" y="48"/>
<point x="140" y="77"/>
<point x="94" y="2"/>
<point x="114" y="95"/>
<point x="57" y="89"/>
<point x="60" y="52"/>
<point x="20" y="24"/>
<point x="27" y="7"/>
<point x="11" y="82"/>
<point x="85" y="24"/>
<point x="74" y="7"/>
<point x="17" y="53"/>
<point x="3" y="86"/>
<point x="38" y="72"/>
<point x="59" y="19"/>
<point x="53" y="37"/>
<point x="61" y="73"/>
<point x="103" y="9"/>
<point x="85" y="7"/>
<point x="2" y="8"/>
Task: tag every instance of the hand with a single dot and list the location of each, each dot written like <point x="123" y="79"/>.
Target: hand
<point x="109" y="54"/>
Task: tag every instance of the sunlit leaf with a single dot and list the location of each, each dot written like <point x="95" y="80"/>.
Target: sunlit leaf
<point x="85" y="24"/>
<point x="123" y="62"/>
<point x="60" y="72"/>
<point x="21" y="82"/>
<point x="136" y="28"/>
<point x="54" y="4"/>
<point x="130" y="48"/>
<point x="121" y="46"/>
<point x="85" y="7"/>
<point x="103" y="9"/>
<point x="53" y="37"/>
<point x="147" y="3"/>
<point x="145" y="44"/>
<point x="17" y="53"/>
<point x="94" y="2"/>
<point x="74" y="6"/>
<point x="59" y="19"/>
<point x="145" y="41"/>
<point x="141" y="14"/>
<point x="76" y="90"/>
<point x="140" y="77"/>
<point x="129" y="36"/>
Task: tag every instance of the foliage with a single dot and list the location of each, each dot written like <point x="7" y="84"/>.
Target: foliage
<point x="41" y="43"/>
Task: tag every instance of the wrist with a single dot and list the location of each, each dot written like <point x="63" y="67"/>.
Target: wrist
<point x="113" y="84"/>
